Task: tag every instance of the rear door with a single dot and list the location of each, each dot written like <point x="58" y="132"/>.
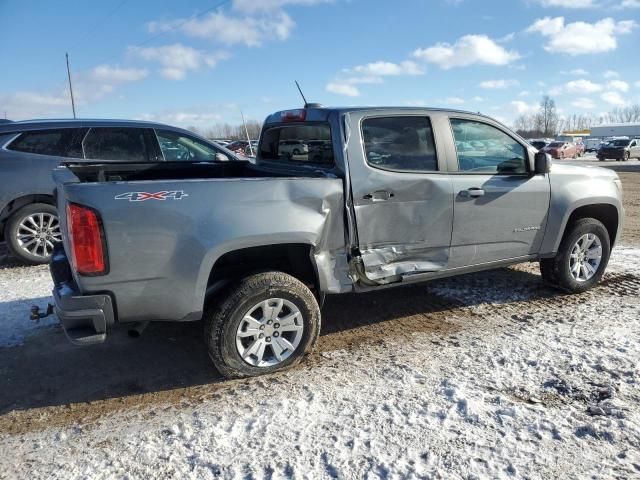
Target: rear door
<point x="500" y="206"/>
<point x="402" y="195"/>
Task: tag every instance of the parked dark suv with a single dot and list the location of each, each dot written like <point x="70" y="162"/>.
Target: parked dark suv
<point x="30" y="150"/>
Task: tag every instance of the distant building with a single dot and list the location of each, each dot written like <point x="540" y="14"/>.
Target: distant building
<point x="616" y="130"/>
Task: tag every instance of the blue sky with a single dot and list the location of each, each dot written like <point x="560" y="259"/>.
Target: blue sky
<point x="201" y="62"/>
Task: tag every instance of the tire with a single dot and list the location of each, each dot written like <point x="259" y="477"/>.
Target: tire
<point x="557" y="270"/>
<point x="625" y="157"/>
<point x="16" y="237"/>
<point x="225" y="319"/>
<point x="296" y="152"/>
<point x="601" y="159"/>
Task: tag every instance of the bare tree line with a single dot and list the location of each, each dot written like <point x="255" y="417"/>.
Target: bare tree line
<point x="229" y="132"/>
<point x="547" y="123"/>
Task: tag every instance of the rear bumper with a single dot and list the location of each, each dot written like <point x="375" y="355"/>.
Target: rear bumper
<point x="86" y="319"/>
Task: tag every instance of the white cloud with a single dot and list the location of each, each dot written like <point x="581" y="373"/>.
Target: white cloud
<point x="498" y="84"/>
<point x="109" y="74"/>
<point x="252" y="6"/>
<point x="371" y="73"/>
<point x="182" y="118"/>
<point x="637" y="84"/>
<point x="568" y="3"/>
<point x="610" y="74"/>
<point x="453" y="101"/>
<point x="630" y="4"/>
<point x="582" y="86"/>
<point x="383" y="69"/>
<point x="251" y="31"/>
<point x="618" y="85"/>
<point x="478" y="98"/>
<point x="177" y="60"/>
<point x="613" y="98"/>
<point x="343" y="89"/>
<point x="467" y="50"/>
<point x="583" y="103"/>
<point x="524" y="93"/>
<point x="578" y="72"/>
<point x="523" y="108"/>
<point x="580" y="38"/>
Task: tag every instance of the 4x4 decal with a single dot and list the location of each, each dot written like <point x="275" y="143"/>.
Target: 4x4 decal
<point x="142" y="196"/>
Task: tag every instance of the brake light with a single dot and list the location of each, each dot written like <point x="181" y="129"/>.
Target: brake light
<point x="88" y="253"/>
<point x="294" y="115"/>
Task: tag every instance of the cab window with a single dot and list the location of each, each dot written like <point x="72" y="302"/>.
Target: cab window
<point x="297" y="143"/>
<point x="178" y="147"/>
<point x="483" y="148"/>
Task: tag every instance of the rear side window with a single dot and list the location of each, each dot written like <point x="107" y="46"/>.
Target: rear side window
<point x="126" y="144"/>
<point x="64" y="142"/>
<point x="297" y="143"/>
<point x="402" y="144"/>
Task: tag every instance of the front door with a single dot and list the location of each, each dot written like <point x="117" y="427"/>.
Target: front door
<point x="500" y="206"/>
<point x="402" y="200"/>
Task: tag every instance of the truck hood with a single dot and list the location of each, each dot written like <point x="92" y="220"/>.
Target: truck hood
<point x="583" y="171"/>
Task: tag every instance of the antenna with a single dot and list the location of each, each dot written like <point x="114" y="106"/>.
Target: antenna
<point x="73" y="104"/>
<point x="301" y="94"/>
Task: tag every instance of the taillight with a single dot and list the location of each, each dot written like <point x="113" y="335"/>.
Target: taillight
<point x="88" y="252"/>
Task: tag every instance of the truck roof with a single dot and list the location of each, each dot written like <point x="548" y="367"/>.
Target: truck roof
<point x="321" y="113"/>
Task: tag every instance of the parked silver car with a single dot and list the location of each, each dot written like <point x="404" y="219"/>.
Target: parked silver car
<point x="30" y="150"/>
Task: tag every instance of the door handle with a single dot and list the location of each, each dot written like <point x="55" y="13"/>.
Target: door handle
<point x="379" y="196"/>
<point x="473" y="192"/>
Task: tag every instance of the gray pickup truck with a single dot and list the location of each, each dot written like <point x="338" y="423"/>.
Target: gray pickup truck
<point x="378" y="197"/>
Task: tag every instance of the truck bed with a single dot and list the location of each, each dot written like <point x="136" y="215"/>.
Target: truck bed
<point x="166" y="225"/>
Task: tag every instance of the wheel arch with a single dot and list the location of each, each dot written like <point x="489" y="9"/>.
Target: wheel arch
<point x="19" y="202"/>
<point x="295" y="259"/>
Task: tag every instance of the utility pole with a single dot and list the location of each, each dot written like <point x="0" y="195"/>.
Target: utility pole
<point x="73" y="104"/>
<point x="247" y="132"/>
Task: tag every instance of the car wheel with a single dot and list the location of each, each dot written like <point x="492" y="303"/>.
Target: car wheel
<point x="581" y="259"/>
<point x="625" y="157"/>
<point x="31" y="233"/>
<point x="296" y="152"/>
<point x="601" y="159"/>
<point x="266" y="322"/>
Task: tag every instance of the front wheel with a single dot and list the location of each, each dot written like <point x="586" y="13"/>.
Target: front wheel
<point x="625" y="157"/>
<point x="266" y="322"/>
<point x="581" y="259"/>
<point x="601" y="159"/>
<point x="31" y="233"/>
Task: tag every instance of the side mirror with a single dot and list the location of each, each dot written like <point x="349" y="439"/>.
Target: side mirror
<point x="221" y="157"/>
<point x="542" y="162"/>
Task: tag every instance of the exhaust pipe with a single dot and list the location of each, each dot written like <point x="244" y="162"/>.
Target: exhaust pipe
<point x="137" y="329"/>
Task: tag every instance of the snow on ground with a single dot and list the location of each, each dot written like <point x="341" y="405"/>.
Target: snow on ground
<point x="522" y="383"/>
<point x="22" y="287"/>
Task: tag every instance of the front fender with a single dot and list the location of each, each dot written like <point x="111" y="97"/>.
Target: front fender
<point x="573" y="188"/>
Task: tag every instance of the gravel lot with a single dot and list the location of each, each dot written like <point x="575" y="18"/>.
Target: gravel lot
<point x="490" y="375"/>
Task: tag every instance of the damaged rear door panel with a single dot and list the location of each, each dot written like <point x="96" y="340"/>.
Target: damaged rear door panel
<point x="402" y="195"/>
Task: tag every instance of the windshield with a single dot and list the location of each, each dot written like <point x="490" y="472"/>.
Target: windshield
<point x="556" y="144"/>
<point x="619" y="143"/>
<point x="297" y="143"/>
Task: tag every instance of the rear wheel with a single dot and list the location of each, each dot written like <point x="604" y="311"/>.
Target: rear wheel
<point x="581" y="259"/>
<point x="266" y="322"/>
<point x="32" y="232"/>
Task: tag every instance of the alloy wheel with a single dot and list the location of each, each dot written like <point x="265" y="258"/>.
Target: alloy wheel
<point x="269" y="332"/>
